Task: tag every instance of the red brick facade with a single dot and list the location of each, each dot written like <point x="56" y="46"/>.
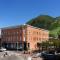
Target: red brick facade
<point x="24" y="33"/>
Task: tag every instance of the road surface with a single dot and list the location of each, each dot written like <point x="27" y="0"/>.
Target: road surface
<point x="16" y="56"/>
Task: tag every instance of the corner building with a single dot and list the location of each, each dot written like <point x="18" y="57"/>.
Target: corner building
<point x="23" y="37"/>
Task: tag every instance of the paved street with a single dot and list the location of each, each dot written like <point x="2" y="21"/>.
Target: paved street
<point x="16" y="56"/>
<point x="12" y="57"/>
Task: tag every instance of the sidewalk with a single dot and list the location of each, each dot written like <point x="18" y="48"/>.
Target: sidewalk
<point x="28" y="55"/>
<point x="25" y="56"/>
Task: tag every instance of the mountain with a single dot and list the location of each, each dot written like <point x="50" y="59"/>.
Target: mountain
<point x="43" y="21"/>
<point x="46" y="22"/>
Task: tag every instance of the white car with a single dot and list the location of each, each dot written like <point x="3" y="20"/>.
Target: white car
<point x="3" y="49"/>
<point x="36" y="55"/>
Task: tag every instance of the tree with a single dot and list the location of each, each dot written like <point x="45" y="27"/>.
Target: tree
<point x="58" y="34"/>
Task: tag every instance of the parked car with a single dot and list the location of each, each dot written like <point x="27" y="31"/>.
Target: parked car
<point x="36" y="55"/>
<point x="50" y="55"/>
<point x="2" y="49"/>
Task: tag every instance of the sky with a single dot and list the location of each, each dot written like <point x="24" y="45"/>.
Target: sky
<point x="17" y="12"/>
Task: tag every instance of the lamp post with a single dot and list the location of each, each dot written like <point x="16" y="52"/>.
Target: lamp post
<point x="17" y="40"/>
<point x="24" y="45"/>
<point x="17" y="46"/>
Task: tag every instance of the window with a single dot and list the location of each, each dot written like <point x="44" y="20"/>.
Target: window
<point x="37" y="38"/>
<point x="14" y="33"/>
<point x="17" y="37"/>
<point x="21" y="45"/>
<point x="20" y="38"/>
<point x="31" y="38"/>
<point x="33" y="32"/>
<point x="17" y="32"/>
<point x="24" y="38"/>
<point x="11" y="38"/>
<point x="8" y="33"/>
<point x="24" y="31"/>
<point x="37" y="32"/>
<point x="34" y="38"/>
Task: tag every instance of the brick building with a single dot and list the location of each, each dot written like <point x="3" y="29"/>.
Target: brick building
<point x="23" y="36"/>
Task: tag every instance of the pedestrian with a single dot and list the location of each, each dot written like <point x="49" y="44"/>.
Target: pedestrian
<point x="4" y="54"/>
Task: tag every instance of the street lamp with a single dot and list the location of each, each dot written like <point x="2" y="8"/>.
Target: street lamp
<point x="17" y="45"/>
<point x="17" y="40"/>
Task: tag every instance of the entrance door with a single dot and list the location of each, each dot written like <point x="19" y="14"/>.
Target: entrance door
<point x="25" y="46"/>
